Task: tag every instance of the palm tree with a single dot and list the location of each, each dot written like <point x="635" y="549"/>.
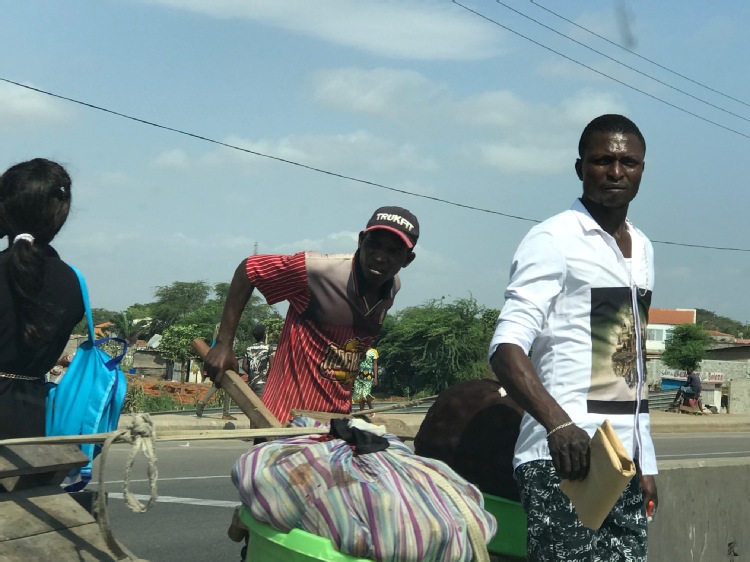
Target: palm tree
<point x="124" y="327"/>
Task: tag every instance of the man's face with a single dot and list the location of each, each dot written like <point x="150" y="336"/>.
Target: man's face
<point x="381" y="255"/>
<point x="611" y="169"/>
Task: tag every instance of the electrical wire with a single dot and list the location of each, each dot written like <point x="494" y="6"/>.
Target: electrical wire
<point x="255" y="153"/>
<point x="592" y="69"/>
<point x="595" y="34"/>
<point x="319" y="170"/>
<point x="657" y="80"/>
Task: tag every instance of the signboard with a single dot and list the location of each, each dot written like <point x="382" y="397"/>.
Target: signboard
<point x="717" y="378"/>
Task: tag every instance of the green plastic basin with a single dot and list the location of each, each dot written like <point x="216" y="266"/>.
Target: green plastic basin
<point x="267" y="544"/>
<point x="511" y="526"/>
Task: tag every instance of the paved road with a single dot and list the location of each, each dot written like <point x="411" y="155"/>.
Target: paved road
<point x="196" y="495"/>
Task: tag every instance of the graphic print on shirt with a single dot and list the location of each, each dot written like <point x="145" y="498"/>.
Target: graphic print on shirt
<point x="342" y="364"/>
<point x="614" y="369"/>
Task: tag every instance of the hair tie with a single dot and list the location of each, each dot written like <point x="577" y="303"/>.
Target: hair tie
<point x="24" y="236"/>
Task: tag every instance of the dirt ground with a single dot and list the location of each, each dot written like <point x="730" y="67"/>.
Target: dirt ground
<point x="188" y="393"/>
<point x="185" y="393"/>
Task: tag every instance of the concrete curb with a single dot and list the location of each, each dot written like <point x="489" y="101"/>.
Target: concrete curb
<point x="407" y="425"/>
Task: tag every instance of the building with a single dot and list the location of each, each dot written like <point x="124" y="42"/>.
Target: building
<point x="661" y="321"/>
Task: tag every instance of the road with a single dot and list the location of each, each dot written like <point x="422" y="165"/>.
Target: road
<point x="196" y="495"/>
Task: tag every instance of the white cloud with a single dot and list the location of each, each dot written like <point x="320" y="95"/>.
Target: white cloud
<point x="524" y="159"/>
<point x="425" y="30"/>
<point x="174" y="159"/>
<point x="357" y="150"/>
<point x="587" y="104"/>
<point x="502" y="108"/>
<point x="343" y="242"/>
<point x="21" y="109"/>
<point x="536" y="138"/>
<point x="379" y="92"/>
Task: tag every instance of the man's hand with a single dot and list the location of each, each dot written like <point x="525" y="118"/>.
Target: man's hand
<point x="569" y="448"/>
<point x="648" y="486"/>
<point x="220" y="358"/>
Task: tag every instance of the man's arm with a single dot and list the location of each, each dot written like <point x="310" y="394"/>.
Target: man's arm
<point x="648" y="487"/>
<point x="569" y="445"/>
<point x="221" y="356"/>
<point x="375" y="372"/>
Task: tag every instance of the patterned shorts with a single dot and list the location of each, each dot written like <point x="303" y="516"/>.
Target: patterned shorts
<point x="555" y="533"/>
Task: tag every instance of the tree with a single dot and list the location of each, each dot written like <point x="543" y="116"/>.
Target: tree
<point x="124" y="326"/>
<point x="206" y="316"/>
<point x="175" y="344"/>
<point x="99" y="316"/>
<point x="425" y="349"/>
<point x="712" y="321"/>
<point x="273" y="323"/>
<point x="685" y="347"/>
<point x="175" y="301"/>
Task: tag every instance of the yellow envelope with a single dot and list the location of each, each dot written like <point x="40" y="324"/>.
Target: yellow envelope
<point x="610" y="471"/>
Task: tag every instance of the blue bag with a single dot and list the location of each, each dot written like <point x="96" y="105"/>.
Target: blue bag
<point x="89" y="397"/>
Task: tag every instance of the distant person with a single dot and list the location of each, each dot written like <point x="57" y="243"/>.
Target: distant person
<point x="691" y="389"/>
<point x="569" y="348"/>
<point x="366" y="379"/>
<point x="258" y="359"/>
<point x="337" y="304"/>
<point x="40" y="297"/>
<point x="200" y="406"/>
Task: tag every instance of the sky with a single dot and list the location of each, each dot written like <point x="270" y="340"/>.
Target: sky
<point x="467" y="114"/>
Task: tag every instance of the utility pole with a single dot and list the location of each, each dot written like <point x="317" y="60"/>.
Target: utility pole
<point x="255" y="249"/>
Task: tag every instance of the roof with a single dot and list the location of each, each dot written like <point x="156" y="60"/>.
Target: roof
<point x="715" y="334"/>
<point x="671" y="316"/>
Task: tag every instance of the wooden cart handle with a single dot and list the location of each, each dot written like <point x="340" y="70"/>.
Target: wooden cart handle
<point x="240" y="392"/>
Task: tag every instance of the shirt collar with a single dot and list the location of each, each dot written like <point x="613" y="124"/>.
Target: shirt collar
<point x="588" y="222"/>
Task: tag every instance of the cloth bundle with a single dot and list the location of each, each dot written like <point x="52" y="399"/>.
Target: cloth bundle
<point x="385" y="505"/>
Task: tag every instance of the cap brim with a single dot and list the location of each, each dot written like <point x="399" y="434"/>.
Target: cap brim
<point x="404" y="237"/>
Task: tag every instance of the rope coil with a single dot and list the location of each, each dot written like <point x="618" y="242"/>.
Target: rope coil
<point x="141" y="434"/>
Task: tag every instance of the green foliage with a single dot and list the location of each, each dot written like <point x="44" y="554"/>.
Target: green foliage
<point x="175" y="301"/>
<point x="139" y="311"/>
<point x="685" y="347"/>
<point x="425" y="349"/>
<point x="188" y="304"/>
<point x="125" y="327"/>
<point x="175" y="343"/>
<point x="99" y="316"/>
<point x="273" y="323"/>
<point x="712" y="321"/>
<point x="136" y="400"/>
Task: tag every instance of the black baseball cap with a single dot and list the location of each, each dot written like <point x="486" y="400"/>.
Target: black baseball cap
<point x="397" y="220"/>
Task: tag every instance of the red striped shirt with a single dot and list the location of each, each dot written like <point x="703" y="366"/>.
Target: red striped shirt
<point x="326" y="333"/>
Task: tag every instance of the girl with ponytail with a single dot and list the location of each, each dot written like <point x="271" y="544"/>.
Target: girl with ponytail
<point x="40" y="298"/>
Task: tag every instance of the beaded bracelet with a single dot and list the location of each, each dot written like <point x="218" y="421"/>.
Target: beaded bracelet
<point x="566" y="424"/>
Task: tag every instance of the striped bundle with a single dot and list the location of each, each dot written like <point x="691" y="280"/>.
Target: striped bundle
<point x="383" y="506"/>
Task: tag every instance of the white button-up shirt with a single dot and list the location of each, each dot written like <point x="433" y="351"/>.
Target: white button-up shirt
<point x="570" y="303"/>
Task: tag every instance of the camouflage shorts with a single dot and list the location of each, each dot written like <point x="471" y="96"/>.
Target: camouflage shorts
<point x="555" y="533"/>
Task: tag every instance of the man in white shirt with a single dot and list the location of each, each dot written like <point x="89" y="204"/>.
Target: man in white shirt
<point x="570" y="350"/>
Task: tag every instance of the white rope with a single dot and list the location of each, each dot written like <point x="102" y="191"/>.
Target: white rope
<point x="140" y="434"/>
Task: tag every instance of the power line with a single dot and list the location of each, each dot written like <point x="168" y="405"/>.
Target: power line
<point x="255" y="153"/>
<point x="640" y="56"/>
<point x="319" y="170"/>
<point x="543" y="46"/>
<point x="622" y="63"/>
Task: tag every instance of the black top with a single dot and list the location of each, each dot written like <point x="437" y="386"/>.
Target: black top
<point x="694" y="381"/>
<point x="62" y="292"/>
